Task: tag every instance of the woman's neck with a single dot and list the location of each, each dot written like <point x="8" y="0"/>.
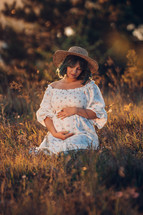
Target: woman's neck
<point x="69" y="80"/>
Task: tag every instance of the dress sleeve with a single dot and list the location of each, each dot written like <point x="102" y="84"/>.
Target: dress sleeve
<point x="96" y="104"/>
<point x="45" y="109"/>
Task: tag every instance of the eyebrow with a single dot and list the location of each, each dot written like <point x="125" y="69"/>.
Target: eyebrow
<point x="78" y="67"/>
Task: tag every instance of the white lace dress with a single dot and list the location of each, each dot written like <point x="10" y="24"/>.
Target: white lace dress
<point x="87" y="96"/>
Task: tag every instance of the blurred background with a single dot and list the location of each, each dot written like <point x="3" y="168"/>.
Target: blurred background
<point x="32" y="30"/>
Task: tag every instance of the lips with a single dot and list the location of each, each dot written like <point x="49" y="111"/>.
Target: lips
<point x="73" y="75"/>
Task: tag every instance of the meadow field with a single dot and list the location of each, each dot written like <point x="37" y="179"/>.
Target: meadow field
<point x="108" y="181"/>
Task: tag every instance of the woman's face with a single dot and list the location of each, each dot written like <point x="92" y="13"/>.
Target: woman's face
<point x="74" y="71"/>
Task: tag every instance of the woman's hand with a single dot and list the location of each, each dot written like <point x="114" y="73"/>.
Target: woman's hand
<point x="65" y="112"/>
<point x="63" y="135"/>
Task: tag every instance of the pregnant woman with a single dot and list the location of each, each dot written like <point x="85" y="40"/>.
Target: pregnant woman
<point x="72" y="106"/>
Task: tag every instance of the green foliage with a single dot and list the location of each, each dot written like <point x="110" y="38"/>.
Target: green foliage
<point x="133" y="75"/>
<point x="30" y="34"/>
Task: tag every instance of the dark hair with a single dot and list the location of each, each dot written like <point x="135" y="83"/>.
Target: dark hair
<point x="71" y="60"/>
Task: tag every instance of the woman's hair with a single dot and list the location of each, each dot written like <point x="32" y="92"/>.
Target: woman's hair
<point x="71" y="61"/>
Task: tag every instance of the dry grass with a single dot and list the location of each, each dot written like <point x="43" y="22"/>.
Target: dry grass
<point x="103" y="182"/>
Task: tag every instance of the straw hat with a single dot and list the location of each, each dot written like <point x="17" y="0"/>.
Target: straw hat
<point x="60" y="56"/>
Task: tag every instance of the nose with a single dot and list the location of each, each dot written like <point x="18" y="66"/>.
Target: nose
<point x="74" y="70"/>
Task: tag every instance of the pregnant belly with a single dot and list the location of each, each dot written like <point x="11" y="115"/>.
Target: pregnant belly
<point x="76" y="124"/>
<point x="66" y="124"/>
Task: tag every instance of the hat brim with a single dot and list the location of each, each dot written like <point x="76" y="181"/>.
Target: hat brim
<point x="60" y="56"/>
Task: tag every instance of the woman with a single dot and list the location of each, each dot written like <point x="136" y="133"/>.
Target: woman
<point x="73" y="105"/>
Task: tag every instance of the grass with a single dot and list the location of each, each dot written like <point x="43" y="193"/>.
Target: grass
<point x="103" y="182"/>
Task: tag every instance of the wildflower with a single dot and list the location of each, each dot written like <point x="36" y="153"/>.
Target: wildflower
<point x="135" y="195"/>
<point x="132" y="192"/>
<point x="119" y="194"/>
<point x="24" y="176"/>
<point x="128" y="107"/>
<point x="84" y="168"/>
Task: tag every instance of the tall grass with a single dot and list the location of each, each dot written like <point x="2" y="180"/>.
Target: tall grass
<point x="102" y="182"/>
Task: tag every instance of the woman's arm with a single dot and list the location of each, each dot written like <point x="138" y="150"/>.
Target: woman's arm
<point x="88" y="114"/>
<point x="51" y="128"/>
<point x="69" y="111"/>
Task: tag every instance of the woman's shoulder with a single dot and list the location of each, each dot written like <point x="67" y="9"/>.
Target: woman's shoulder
<point x="92" y="87"/>
<point x="55" y="84"/>
<point x="91" y="84"/>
